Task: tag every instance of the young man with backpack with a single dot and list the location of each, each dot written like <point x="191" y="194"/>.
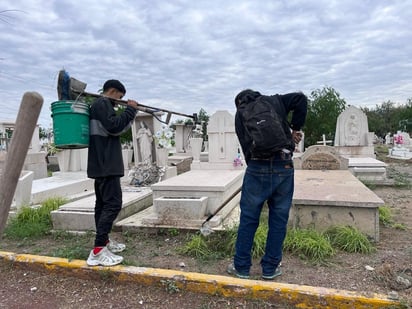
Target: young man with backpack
<point x="268" y="142"/>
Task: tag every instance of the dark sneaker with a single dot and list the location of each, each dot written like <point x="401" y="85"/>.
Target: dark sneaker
<point x="232" y="271"/>
<point x="277" y="273"/>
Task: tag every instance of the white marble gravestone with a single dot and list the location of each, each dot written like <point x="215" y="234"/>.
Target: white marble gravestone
<point x="182" y="135"/>
<point x="223" y="143"/>
<point x="352" y="136"/>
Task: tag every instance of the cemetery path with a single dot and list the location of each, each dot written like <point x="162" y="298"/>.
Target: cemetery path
<point x="24" y="288"/>
<point x="378" y="272"/>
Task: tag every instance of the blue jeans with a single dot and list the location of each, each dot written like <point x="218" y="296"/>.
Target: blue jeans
<point x="271" y="181"/>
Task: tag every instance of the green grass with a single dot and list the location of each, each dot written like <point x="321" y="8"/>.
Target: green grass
<point x="349" y="239"/>
<point x="399" y="226"/>
<point x="72" y="252"/>
<point x="259" y="242"/>
<point x="381" y="152"/>
<point x="32" y="222"/>
<point x="71" y="246"/>
<point x="402" y="181"/>
<point x="196" y="247"/>
<point x="308" y="244"/>
<point x="221" y="244"/>
<point x="385" y="216"/>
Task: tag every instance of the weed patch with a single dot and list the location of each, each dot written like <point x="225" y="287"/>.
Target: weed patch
<point x="349" y="239"/>
<point x="385" y="216"/>
<point x="33" y="222"/>
<point x="309" y="244"/>
<point x="170" y="286"/>
<point x="196" y="247"/>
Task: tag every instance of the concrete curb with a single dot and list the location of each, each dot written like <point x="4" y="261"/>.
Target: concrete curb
<point x="300" y="296"/>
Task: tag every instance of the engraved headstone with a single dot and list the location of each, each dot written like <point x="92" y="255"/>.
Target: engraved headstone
<point x="321" y="158"/>
<point x="352" y="136"/>
<point x="352" y="128"/>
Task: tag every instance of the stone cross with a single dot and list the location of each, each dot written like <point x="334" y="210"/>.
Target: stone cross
<point x="324" y="141"/>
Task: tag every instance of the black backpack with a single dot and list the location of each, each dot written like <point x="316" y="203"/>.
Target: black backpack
<point x="268" y="131"/>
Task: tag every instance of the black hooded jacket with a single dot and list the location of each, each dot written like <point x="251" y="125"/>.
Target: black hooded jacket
<point x="295" y="102"/>
<point x="105" y="151"/>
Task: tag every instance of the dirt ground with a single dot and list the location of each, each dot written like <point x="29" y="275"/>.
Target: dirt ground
<point x="387" y="271"/>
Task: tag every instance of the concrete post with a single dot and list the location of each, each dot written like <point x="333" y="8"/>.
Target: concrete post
<point x="29" y="111"/>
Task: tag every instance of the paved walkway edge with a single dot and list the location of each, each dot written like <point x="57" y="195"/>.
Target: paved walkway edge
<point x="300" y="296"/>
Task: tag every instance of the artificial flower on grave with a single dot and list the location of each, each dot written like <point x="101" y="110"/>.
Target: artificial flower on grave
<point x="398" y="139"/>
<point x="238" y="160"/>
<point x="163" y="137"/>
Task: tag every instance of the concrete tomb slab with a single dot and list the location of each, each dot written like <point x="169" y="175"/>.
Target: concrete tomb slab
<point x="369" y="169"/>
<point x="180" y="208"/>
<point x="148" y="218"/>
<point x="217" y="185"/>
<point x="186" y="200"/>
<point x="328" y="198"/>
<point x="79" y="215"/>
<point x="61" y="184"/>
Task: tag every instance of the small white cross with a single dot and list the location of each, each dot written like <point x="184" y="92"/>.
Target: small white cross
<point x="324" y="141"/>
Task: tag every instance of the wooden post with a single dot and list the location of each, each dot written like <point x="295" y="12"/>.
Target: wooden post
<point x="26" y="121"/>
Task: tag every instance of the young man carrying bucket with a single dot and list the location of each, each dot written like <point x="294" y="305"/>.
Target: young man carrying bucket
<point x="105" y="166"/>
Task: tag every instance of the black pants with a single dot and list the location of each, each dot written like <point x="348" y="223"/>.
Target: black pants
<point x="108" y="205"/>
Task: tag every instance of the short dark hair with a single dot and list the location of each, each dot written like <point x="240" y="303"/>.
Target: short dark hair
<point x="114" y="83"/>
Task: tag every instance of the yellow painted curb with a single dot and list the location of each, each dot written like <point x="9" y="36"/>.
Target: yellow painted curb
<point x="300" y="296"/>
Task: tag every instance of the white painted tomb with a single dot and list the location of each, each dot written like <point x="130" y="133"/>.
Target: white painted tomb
<point x="22" y="194"/>
<point x="208" y="185"/>
<point x="401" y="150"/>
<point x="369" y="170"/>
<point x="78" y="215"/>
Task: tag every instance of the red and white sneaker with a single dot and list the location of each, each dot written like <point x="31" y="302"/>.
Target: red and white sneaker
<point x="104" y="258"/>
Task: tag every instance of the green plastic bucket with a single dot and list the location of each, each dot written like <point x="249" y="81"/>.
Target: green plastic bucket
<point x="70" y="124"/>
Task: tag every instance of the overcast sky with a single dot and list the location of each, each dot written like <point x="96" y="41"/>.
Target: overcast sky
<point x="185" y="55"/>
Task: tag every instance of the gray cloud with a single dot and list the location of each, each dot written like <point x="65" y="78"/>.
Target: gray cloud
<point x="186" y="55"/>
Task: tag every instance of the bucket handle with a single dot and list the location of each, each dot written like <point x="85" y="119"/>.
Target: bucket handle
<point x="76" y="101"/>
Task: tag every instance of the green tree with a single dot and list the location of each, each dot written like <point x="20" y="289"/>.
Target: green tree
<point x="386" y="111"/>
<point x="42" y="133"/>
<point x="203" y="117"/>
<point x="390" y="117"/>
<point x="324" y="107"/>
<point x="375" y="122"/>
